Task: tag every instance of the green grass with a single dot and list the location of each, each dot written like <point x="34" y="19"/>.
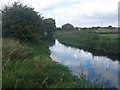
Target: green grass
<point x="75" y="38"/>
<point x="106" y="31"/>
<point x="105" y="44"/>
<point x="110" y="36"/>
<point x="28" y="65"/>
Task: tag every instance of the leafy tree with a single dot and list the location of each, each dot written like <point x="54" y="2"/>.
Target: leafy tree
<point x="49" y="26"/>
<point x="109" y="26"/>
<point x="21" y="21"/>
<point x="67" y="26"/>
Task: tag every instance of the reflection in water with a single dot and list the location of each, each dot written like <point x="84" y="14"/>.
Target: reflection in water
<point x="78" y="60"/>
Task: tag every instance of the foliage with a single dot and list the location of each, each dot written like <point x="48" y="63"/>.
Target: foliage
<point x="109" y="26"/>
<point x="22" y="22"/>
<point x="49" y="27"/>
<point x="105" y="43"/>
<point x="36" y="70"/>
<point x="28" y="65"/>
<point x="13" y="49"/>
<point x="67" y="26"/>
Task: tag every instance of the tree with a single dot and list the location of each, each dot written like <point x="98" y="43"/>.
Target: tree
<point x="22" y="22"/>
<point x="67" y="26"/>
<point x="109" y="26"/>
<point x="49" y="26"/>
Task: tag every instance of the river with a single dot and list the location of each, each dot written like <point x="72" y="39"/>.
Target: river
<point x="101" y="69"/>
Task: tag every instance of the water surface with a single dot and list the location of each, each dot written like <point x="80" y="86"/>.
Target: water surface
<point x="98" y="68"/>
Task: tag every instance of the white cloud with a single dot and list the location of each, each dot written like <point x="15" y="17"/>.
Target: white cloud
<point x="76" y="12"/>
<point x="87" y="13"/>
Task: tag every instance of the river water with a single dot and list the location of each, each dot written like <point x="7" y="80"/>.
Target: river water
<point x="101" y="69"/>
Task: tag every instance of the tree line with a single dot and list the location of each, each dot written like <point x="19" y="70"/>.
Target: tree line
<point x="22" y="22"/>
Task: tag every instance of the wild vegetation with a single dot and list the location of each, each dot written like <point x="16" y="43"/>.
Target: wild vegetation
<point x="25" y="52"/>
<point x="98" y="41"/>
<point x="67" y="26"/>
<point x="23" y="23"/>
<point x="29" y="66"/>
<point x="25" y="49"/>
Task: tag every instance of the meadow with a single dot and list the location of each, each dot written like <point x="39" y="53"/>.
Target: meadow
<point x="98" y="41"/>
<point x="28" y="65"/>
<point x="26" y="62"/>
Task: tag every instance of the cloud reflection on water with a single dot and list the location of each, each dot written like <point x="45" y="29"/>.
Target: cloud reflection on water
<point x="78" y="60"/>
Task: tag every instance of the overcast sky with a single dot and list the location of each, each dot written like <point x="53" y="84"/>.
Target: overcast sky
<point x="80" y="13"/>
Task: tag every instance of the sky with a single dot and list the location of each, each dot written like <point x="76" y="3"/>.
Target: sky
<point x="80" y="13"/>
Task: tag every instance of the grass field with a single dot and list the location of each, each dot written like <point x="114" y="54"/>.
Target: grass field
<point x="28" y="65"/>
<point x="106" y="31"/>
<point x="101" y="42"/>
<point x="111" y="36"/>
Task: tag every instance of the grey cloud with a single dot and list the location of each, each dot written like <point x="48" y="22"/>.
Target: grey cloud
<point x="112" y="16"/>
<point x="60" y="11"/>
<point x="106" y="18"/>
<point x="95" y="19"/>
<point x="49" y="8"/>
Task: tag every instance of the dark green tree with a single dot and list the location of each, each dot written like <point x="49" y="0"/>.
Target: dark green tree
<point x="22" y="22"/>
<point x="67" y="26"/>
<point x="49" y="26"/>
<point x="110" y="26"/>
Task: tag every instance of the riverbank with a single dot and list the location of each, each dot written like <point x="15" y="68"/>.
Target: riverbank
<point x="99" y="42"/>
<point x="28" y="65"/>
<point x="78" y="60"/>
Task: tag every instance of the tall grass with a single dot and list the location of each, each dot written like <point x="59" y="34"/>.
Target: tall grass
<point x="13" y="55"/>
<point x="29" y="66"/>
<point x="91" y="40"/>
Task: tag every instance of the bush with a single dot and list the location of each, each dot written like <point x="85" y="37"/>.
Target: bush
<point x="21" y="21"/>
<point x="14" y="49"/>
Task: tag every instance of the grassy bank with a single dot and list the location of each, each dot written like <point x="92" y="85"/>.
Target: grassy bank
<point x="99" y="42"/>
<point x="28" y="65"/>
